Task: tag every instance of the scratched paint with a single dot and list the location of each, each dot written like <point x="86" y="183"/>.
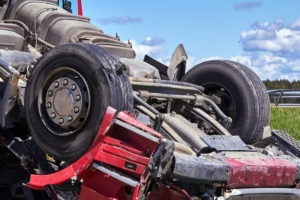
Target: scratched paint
<point x="260" y="172"/>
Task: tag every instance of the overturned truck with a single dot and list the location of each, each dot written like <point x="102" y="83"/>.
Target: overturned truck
<point x="81" y="118"/>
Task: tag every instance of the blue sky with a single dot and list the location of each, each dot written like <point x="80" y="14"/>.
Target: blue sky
<point x="263" y="34"/>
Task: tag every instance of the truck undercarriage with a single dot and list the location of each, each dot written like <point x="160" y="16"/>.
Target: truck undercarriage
<point x="81" y="118"/>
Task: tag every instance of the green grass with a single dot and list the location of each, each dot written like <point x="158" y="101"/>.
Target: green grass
<point x="287" y="119"/>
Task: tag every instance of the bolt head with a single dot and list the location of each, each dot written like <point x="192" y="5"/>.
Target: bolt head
<point x="61" y="120"/>
<point x="70" y="118"/>
<point x="77" y="97"/>
<point x="49" y="105"/>
<point x="50" y="93"/>
<point x="65" y="82"/>
<point x="76" y="109"/>
<point x="56" y="84"/>
<point x="73" y="87"/>
<point x="53" y="115"/>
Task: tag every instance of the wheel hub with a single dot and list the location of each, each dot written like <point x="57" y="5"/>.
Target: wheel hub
<point x="64" y="102"/>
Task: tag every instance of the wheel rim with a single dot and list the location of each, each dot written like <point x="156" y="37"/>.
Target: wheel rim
<point x="64" y="101"/>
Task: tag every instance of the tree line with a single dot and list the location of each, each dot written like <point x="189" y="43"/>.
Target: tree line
<point x="281" y="84"/>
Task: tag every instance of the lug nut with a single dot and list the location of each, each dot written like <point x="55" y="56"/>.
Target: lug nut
<point x="77" y="97"/>
<point x="70" y="118"/>
<point x="73" y="87"/>
<point x="76" y="109"/>
<point x="50" y="93"/>
<point x="61" y="120"/>
<point x="49" y="105"/>
<point x="65" y="82"/>
<point x="56" y="84"/>
<point x="53" y="115"/>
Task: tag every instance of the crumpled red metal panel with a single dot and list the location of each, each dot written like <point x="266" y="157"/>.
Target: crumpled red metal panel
<point x="260" y="172"/>
<point x="115" y="146"/>
<point x="168" y="193"/>
<point x="132" y="121"/>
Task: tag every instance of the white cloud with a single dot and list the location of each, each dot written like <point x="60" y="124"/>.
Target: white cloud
<point x="272" y="50"/>
<point x="247" y="5"/>
<point x="275" y="37"/>
<point x="193" y="61"/>
<point x="296" y="24"/>
<point x="142" y="49"/>
<point x="153" y="41"/>
<point x="245" y="60"/>
<point x="266" y="66"/>
<point x="270" y="66"/>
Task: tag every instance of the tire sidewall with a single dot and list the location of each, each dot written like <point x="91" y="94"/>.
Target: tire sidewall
<point x="80" y="61"/>
<point x="236" y="82"/>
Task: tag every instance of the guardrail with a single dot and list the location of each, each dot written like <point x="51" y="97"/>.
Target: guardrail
<point x="285" y="97"/>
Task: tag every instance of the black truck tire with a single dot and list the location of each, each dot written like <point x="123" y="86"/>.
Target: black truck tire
<point x="67" y="94"/>
<point x="243" y="95"/>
